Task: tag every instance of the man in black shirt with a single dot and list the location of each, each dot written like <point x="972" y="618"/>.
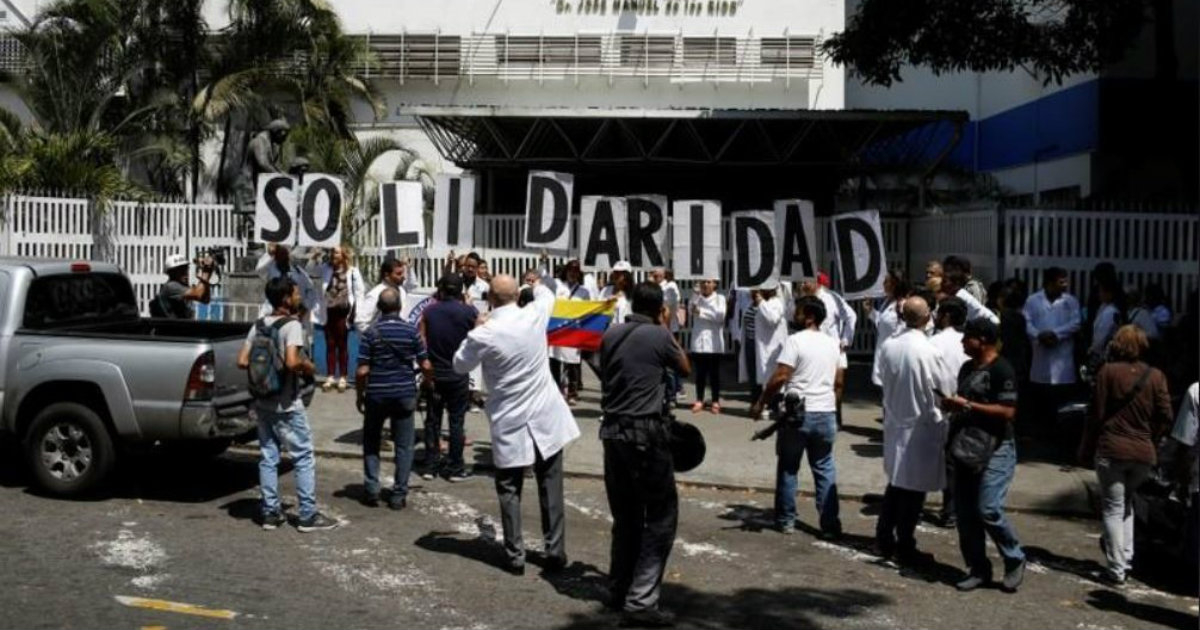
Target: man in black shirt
<point x="987" y="400"/>
<point x="174" y="295"/>
<point x="639" y="475"/>
<point x="444" y="326"/>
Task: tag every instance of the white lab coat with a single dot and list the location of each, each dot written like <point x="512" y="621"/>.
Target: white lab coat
<point x="368" y="310"/>
<point x="975" y="308"/>
<point x="770" y="331"/>
<point x="621" y="309"/>
<point x="671" y="298"/>
<point x="948" y="341"/>
<point x="887" y="324"/>
<point x="840" y="319"/>
<point x="357" y="289"/>
<point x="1052" y="366"/>
<point x="708" y="323"/>
<point x="914" y="429"/>
<point x="525" y="408"/>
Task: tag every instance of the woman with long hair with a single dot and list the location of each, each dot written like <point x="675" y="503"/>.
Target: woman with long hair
<point x="1131" y="411"/>
<point x="342" y="288"/>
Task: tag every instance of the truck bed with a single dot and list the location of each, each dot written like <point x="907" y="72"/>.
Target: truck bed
<point x="159" y="329"/>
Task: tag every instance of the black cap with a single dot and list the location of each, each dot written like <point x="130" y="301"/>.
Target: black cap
<point x="983" y="329"/>
<point x="451" y="282"/>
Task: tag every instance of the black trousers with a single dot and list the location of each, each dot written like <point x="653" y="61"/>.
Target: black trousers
<point x="708" y="372"/>
<point x="640" y="482"/>
<point x="895" y="532"/>
<point x="509" y="482"/>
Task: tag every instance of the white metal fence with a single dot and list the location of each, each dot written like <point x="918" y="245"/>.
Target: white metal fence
<point x="1162" y="248"/>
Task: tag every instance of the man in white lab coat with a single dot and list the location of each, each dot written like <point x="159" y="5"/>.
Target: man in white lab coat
<point x="530" y="421"/>
<point x="770" y="330"/>
<point x="951" y="317"/>
<point x="1052" y="321"/>
<point x="914" y="432"/>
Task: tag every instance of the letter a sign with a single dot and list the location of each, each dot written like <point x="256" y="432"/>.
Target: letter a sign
<point x="548" y="210"/>
<point x="795" y="231"/>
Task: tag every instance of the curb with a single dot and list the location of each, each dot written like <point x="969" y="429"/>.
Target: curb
<point x="864" y="498"/>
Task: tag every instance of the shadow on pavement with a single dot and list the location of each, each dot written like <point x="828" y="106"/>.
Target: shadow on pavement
<point x="867" y="450"/>
<point x="874" y="434"/>
<point x="1117" y="602"/>
<point x="151" y="474"/>
<point x="479" y="549"/>
<point x="792" y="607"/>
<point x="1088" y="569"/>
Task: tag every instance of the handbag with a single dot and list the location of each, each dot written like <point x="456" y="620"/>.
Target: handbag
<point x="972" y="448"/>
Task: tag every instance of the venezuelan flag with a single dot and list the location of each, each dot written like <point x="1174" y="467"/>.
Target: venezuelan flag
<point x="579" y="323"/>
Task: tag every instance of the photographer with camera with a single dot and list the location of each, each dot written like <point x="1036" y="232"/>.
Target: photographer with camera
<point x="807" y="367"/>
<point x="174" y="295"/>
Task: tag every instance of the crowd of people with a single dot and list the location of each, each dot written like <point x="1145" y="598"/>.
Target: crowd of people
<point x="963" y="371"/>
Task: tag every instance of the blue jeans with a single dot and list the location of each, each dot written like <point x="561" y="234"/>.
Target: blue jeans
<point x="400" y="412"/>
<point x="453" y="397"/>
<point x="814" y="436"/>
<point x="290" y="429"/>
<point x="979" y="502"/>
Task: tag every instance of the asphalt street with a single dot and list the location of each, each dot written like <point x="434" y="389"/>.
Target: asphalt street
<point x="172" y="544"/>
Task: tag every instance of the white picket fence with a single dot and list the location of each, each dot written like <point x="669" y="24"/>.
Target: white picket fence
<point x="1144" y="247"/>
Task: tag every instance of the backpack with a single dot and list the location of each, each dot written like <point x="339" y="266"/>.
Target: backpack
<point x="267" y="372"/>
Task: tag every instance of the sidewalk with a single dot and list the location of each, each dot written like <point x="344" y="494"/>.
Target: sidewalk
<point x="733" y="461"/>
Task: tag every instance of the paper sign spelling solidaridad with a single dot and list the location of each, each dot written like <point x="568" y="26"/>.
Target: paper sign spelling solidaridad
<point x="454" y="213"/>
<point x="648" y="218"/>
<point x="548" y="210"/>
<point x="602" y="232"/>
<point x="795" y="236"/>
<point x="858" y="239"/>
<point x="401" y="207"/>
<point x="696" y="244"/>
<point x="293" y="211"/>
<point x="754" y="248"/>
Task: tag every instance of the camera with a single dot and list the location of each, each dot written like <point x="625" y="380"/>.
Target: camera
<point x="785" y="409"/>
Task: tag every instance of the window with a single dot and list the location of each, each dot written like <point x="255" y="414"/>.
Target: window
<point x="78" y="298"/>
<point x="706" y="51"/>
<point x="795" y="52"/>
<point x="418" y="56"/>
<point x="643" y="51"/>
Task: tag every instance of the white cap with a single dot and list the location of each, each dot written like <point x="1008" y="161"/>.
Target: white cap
<point x="769" y="285"/>
<point x="622" y="265"/>
<point x="174" y="261"/>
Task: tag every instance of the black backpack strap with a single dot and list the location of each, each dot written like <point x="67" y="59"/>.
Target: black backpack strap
<point x="1137" y="388"/>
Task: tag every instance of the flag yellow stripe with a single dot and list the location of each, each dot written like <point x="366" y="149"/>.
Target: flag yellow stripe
<point x="574" y="309"/>
<point x="175" y="607"/>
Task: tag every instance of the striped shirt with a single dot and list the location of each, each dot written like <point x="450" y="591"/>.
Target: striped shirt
<point x="390" y="347"/>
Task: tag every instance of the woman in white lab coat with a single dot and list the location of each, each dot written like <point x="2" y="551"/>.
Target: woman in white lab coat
<point x="770" y="330"/>
<point x="708" y="342"/>
<point x="886" y="319"/>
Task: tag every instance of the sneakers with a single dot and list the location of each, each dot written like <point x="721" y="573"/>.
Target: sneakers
<point x="397" y="502"/>
<point x="971" y="583"/>
<point x="316" y="523"/>
<point x="647" y="618"/>
<point x="274" y="520"/>
<point x="342" y="385"/>
<point x="327" y="385"/>
<point x="429" y="475"/>
<point x="1013" y="578"/>
<point x="459" y="476"/>
<point x="787" y="529"/>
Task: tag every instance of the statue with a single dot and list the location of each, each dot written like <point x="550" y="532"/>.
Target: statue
<point x="263" y="155"/>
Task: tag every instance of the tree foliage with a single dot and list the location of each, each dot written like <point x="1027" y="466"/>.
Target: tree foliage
<point x="1052" y="38"/>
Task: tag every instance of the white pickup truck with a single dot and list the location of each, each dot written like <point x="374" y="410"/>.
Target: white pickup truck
<point x="82" y="374"/>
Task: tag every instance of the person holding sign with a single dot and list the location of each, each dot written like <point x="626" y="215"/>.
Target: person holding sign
<point x="708" y="342"/>
<point x="276" y="263"/>
<point x="840" y="321"/>
<point x="770" y="330"/>
<point x="392" y="274"/>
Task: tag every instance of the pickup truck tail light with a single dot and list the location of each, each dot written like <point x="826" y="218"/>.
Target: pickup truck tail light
<point x="201" y="378"/>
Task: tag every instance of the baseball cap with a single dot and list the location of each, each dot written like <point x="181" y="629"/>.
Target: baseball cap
<point x="174" y="261"/>
<point x="823" y="279"/>
<point x="451" y="282"/>
<point x="983" y="329"/>
<point x="623" y="265"/>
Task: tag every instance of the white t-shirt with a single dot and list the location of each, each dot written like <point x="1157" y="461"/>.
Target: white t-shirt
<point x="814" y="356"/>
<point x="949" y="342"/>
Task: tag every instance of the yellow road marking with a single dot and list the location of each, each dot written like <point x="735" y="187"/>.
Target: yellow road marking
<point x="175" y="607"/>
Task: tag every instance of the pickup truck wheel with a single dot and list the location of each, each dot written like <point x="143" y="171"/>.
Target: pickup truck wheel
<point x="69" y="449"/>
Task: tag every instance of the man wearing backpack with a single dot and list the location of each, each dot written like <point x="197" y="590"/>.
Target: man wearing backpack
<point x="275" y="359"/>
<point x="388" y="391"/>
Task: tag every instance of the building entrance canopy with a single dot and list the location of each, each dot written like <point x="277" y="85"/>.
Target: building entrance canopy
<point x="697" y="152"/>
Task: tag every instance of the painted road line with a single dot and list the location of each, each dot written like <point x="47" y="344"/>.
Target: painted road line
<point x="175" y="607"/>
